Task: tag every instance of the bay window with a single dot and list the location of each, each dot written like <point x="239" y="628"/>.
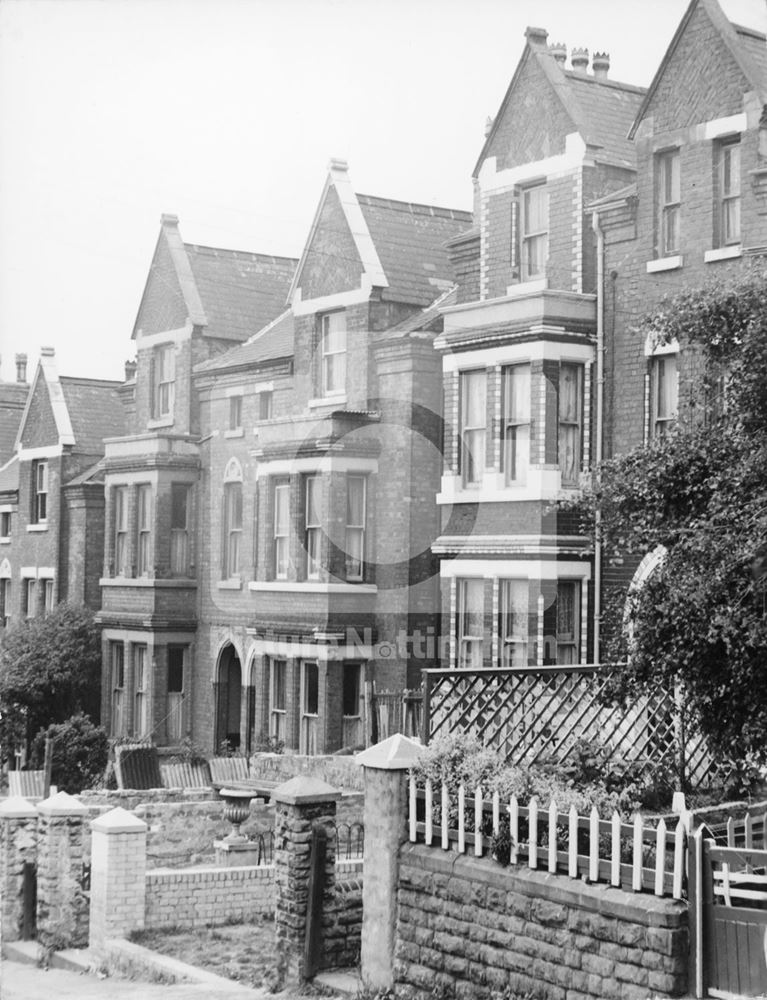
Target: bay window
<point x="570" y="406"/>
<point x="470" y="621"/>
<point x="355" y="527"/>
<point x="514" y="623"/>
<point x="314" y="518"/>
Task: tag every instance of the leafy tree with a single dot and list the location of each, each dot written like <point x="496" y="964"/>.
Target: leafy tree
<point x="50" y="669"/>
<point x="701" y="492"/>
<point x="80" y="753"/>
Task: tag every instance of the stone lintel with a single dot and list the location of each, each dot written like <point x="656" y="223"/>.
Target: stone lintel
<point x="118" y="820"/>
<point x="17" y="807"/>
<point x="397" y="753"/>
<point x="305" y="791"/>
<point x="62" y="804"/>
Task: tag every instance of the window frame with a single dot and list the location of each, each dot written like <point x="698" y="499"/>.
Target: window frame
<point x="117" y="714"/>
<point x="313" y="529"/>
<point x="668" y="166"/>
<point x="174" y="719"/>
<point x="164" y="360"/>
<point x="278" y="698"/>
<point x="726" y="197"/>
<point x="470" y="649"/>
<point x="48" y="594"/>
<point x="120" y="498"/>
<point x="235" y="412"/>
<point x="356" y="530"/>
<point x="139" y="653"/>
<point x="309" y="721"/>
<point x="574" y="639"/>
<point x="5" y="601"/>
<point x="574" y="424"/>
<point x="231" y="555"/>
<point x="265" y="404"/>
<point x="29" y="597"/>
<point x="6" y="524"/>
<point x="281" y="533"/>
<point x="40" y="490"/>
<point x="508" y="640"/>
<point x="511" y="425"/>
<point x="179" y="536"/>
<point x="659" y="425"/>
<point x="144" y="530"/>
<point x="328" y="329"/>
<point x="472" y="437"/>
<point x="535" y="239"/>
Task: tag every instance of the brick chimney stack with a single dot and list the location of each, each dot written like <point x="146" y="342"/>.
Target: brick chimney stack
<point x="21" y="368"/>
<point x="536" y="37"/>
<point x="130" y="371"/>
<point x="601" y="65"/>
<point x="579" y="60"/>
<point x="559" y="51"/>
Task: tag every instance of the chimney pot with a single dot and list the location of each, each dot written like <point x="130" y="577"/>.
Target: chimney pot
<point x="536" y="36"/>
<point x="579" y="59"/>
<point x="168" y="219"/>
<point x="559" y="51"/>
<point x="600" y="64"/>
<point x="130" y="371"/>
<point x="489" y="125"/>
<point x="21" y="368"/>
<point x="47" y="352"/>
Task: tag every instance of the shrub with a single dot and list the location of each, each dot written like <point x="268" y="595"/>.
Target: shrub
<point x="80" y="753"/>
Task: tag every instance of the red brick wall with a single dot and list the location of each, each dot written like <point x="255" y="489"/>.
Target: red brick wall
<point x="332" y="262"/>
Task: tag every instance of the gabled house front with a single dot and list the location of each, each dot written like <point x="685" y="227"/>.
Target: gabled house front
<point x="52" y="494"/>
<point x="197" y="302"/>
<point x="519" y="359"/>
<point x="323" y="444"/>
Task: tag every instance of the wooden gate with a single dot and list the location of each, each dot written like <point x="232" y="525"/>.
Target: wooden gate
<point x="728" y="896"/>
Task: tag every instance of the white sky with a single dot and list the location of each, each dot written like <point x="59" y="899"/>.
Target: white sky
<point x="226" y="112"/>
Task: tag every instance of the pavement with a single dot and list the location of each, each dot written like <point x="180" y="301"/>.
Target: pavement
<point x="19" y="981"/>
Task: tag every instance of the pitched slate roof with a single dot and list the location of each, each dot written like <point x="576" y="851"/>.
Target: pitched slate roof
<point x="240" y="292"/>
<point x="9" y="475"/>
<point x="410" y="240"/>
<point x="429" y="318"/>
<point x="602" y="110"/>
<point x="605" y="112"/>
<point x="95" y="411"/>
<point x="93" y="474"/>
<point x="274" y="341"/>
<point x="13" y="395"/>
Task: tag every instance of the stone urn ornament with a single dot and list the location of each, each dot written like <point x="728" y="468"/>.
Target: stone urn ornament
<point x="236" y="811"/>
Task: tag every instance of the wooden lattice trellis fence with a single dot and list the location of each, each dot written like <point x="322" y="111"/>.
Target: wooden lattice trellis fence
<point x="533" y="714"/>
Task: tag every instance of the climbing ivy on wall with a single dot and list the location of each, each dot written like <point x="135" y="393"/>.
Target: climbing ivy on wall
<point x="701" y="493"/>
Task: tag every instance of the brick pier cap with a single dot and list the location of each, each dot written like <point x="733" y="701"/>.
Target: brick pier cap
<point x="397" y="753"/>
<point x="16" y="807"/>
<point x="62" y="804"/>
<point x="303" y="790"/>
<point x="118" y="820"/>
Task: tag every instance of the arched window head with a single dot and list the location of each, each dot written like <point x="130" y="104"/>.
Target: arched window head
<point x="647" y="567"/>
<point x="5" y="569"/>
<point x="233" y="472"/>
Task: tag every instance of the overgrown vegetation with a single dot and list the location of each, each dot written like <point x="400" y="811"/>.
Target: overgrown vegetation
<point x="80" y="753"/>
<point x="698" y="623"/>
<point x="50" y="670"/>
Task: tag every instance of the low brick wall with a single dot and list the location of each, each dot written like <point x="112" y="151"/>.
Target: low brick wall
<point x="470" y="926"/>
<point x="339" y="771"/>
<point x="196" y="897"/>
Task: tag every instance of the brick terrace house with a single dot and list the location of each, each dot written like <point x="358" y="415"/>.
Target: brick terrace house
<point x="518" y="357"/>
<point x="323" y="451"/>
<point x="697" y="214"/>
<point x="52" y="493"/>
<point x="197" y="302"/>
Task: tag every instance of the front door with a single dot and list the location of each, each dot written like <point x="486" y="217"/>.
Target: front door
<point x="228" y="698"/>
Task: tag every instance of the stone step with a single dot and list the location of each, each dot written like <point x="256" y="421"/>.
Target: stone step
<point x="346" y="982"/>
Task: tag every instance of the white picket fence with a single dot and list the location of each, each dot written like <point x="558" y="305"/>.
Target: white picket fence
<point x="554" y="841"/>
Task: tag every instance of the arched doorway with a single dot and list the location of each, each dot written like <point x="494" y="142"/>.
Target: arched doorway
<point x="228" y="698"/>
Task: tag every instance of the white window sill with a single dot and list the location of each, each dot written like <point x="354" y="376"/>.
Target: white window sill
<point x="335" y="401"/>
<point x="310" y="587"/>
<point x="723" y="253"/>
<point x="5" y="541"/>
<point x="236" y="432"/>
<point x="37" y="527"/>
<point x="160" y="422"/>
<point x="526" y="288"/>
<point x="235" y="583"/>
<point x="146" y="581"/>
<point x="664" y="264"/>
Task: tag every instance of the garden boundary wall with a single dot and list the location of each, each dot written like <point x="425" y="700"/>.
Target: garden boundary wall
<point x="470" y="926"/>
<point x="339" y="771"/>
